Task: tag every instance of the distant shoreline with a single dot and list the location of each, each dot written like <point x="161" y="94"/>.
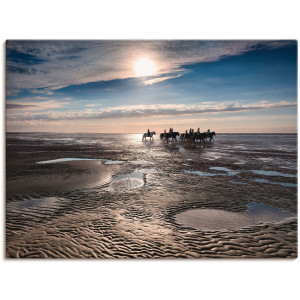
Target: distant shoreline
<point x="46" y="132"/>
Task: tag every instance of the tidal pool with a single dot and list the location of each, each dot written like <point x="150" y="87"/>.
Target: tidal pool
<point x="275" y="182"/>
<point x="273" y="173"/>
<point x="52" y="161"/>
<point x="106" y="162"/>
<point x="229" y="172"/>
<point x="217" y="219"/>
<point x="113" y="162"/>
<point x="127" y="182"/>
<point x="200" y="173"/>
<point x="239" y="162"/>
<point x="237" y="182"/>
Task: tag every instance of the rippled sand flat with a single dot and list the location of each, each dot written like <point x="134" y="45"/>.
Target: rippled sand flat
<point x="129" y="208"/>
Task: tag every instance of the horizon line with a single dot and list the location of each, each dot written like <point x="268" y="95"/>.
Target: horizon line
<point x="144" y="132"/>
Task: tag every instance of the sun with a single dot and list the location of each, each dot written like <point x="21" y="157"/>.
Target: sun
<point x="144" y="67"/>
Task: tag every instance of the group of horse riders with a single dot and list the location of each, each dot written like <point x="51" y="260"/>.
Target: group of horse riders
<point x="189" y="135"/>
<point x="191" y="131"/>
<point x="194" y="136"/>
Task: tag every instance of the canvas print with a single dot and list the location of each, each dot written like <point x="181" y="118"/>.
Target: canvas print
<point x="151" y="149"/>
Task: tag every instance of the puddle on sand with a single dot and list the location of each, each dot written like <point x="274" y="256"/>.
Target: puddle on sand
<point x="217" y="219"/>
<point x="182" y="149"/>
<point x="127" y="182"/>
<point x="149" y="171"/>
<point x="200" y="173"/>
<point x="275" y="182"/>
<point x="64" y="160"/>
<point x="239" y="162"/>
<point x="229" y="172"/>
<point x="241" y="146"/>
<point x="265" y="159"/>
<point x="238" y="182"/>
<point x="141" y="162"/>
<point x="214" y="155"/>
<point x="107" y="162"/>
<point x="273" y="173"/>
<point x="113" y="162"/>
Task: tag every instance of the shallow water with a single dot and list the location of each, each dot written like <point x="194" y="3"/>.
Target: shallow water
<point x="275" y="182"/>
<point x="216" y="219"/>
<point x="58" y="160"/>
<point x="52" y="161"/>
<point x="113" y="162"/>
<point x="127" y="182"/>
<point x="237" y="182"/>
<point x="200" y="173"/>
<point x="273" y="173"/>
<point x="229" y="172"/>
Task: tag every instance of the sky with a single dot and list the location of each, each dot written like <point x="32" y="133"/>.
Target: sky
<point x="129" y="86"/>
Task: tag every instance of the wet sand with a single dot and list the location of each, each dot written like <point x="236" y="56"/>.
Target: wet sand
<point x="86" y="209"/>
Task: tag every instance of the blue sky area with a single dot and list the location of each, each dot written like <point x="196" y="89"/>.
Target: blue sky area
<point x="95" y="86"/>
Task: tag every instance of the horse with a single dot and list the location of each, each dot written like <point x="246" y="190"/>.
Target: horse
<point x="187" y="137"/>
<point x="194" y="137"/>
<point x="182" y="136"/>
<point x="211" y="135"/>
<point x="201" y="136"/>
<point x="174" y="135"/>
<point x="145" y="135"/>
<point x="205" y="136"/>
<point x="167" y="136"/>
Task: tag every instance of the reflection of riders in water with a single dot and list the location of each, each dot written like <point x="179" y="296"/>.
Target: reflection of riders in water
<point x="148" y="132"/>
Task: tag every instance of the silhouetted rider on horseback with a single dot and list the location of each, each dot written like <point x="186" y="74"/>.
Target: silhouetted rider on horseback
<point x="148" y="132"/>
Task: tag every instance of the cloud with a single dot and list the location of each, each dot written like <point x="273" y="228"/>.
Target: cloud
<point x="155" y="110"/>
<point x="91" y="105"/>
<point x="160" y="79"/>
<point x="52" y="64"/>
<point x="42" y="105"/>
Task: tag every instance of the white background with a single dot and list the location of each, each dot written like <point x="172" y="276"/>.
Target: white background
<point x="144" y="279"/>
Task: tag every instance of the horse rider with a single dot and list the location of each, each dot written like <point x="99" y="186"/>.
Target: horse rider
<point x="148" y="132"/>
<point x="171" y="130"/>
<point x="165" y="132"/>
<point x="190" y="132"/>
<point x="198" y="131"/>
<point x="208" y="131"/>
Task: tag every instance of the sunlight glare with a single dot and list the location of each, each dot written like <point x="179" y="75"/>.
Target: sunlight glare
<point x="144" y="67"/>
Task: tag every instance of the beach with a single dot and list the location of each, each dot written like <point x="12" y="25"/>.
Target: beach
<point x="116" y="196"/>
